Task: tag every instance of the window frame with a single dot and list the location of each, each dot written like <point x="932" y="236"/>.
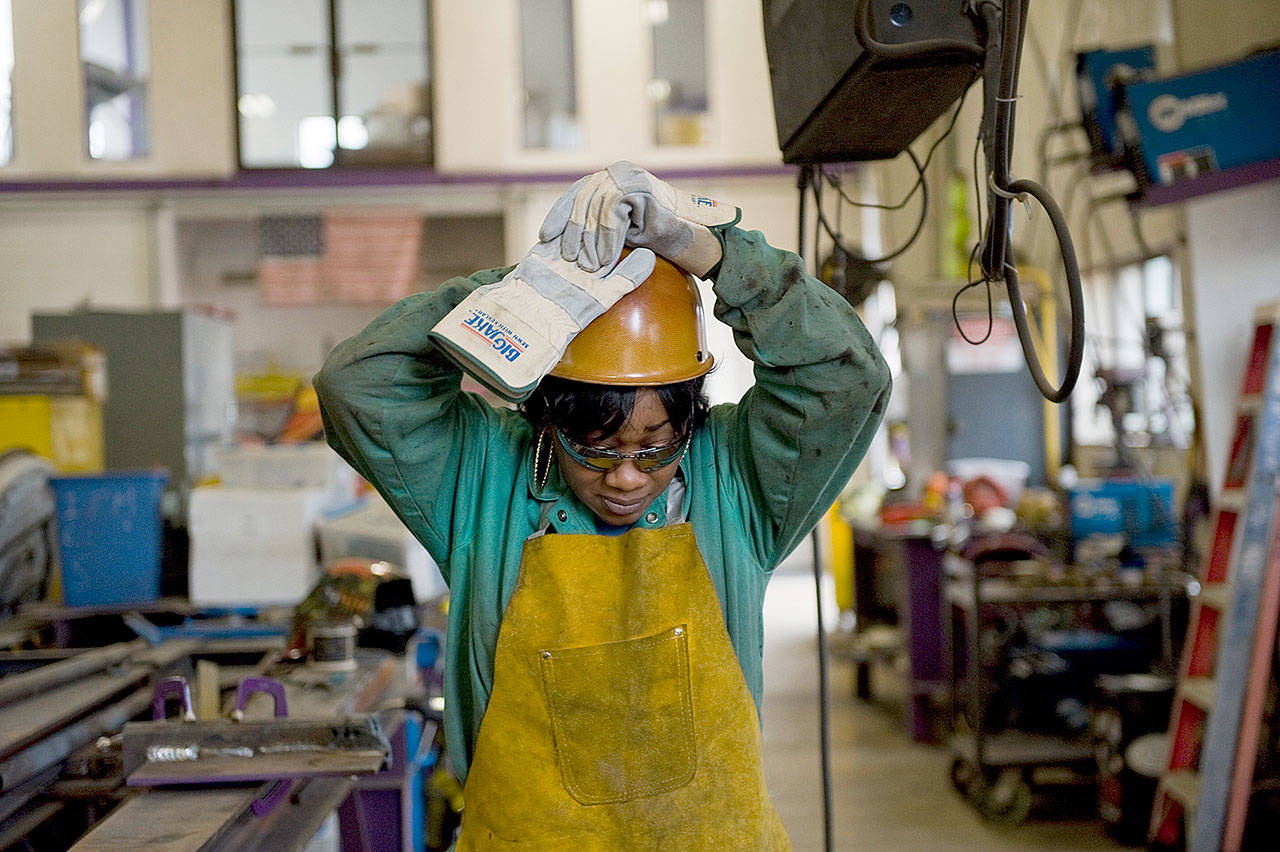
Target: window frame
<point x="334" y="65"/>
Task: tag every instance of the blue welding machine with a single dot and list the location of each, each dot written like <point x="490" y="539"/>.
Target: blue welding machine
<point x="1098" y="72"/>
<point x="1191" y="125"/>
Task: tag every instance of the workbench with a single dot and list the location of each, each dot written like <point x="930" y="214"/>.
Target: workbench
<point x="66" y="709"/>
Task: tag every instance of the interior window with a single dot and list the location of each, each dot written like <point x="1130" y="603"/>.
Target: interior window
<point x="1137" y="352"/>
<point x="6" y="82"/>
<point x="678" y="87"/>
<point x="114" y="55"/>
<point x="550" y="88"/>
<point x="333" y="83"/>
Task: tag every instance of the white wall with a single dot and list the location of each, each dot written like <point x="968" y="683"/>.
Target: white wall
<point x="59" y="256"/>
<point x="123" y="250"/>
<point x="1221" y="32"/>
<point x="1233" y="254"/>
<point x="478" y="89"/>
<point x="1234" y="266"/>
<point x="192" y="128"/>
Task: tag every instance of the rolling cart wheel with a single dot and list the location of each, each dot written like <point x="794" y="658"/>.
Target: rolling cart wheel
<point x="962" y="776"/>
<point x="1006" y="800"/>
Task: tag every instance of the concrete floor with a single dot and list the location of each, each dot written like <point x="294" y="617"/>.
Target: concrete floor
<point x="889" y="793"/>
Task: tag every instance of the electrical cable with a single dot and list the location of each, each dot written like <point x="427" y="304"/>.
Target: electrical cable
<point x="1005" y="29"/>
<point x="915" y="233"/>
<point x="804" y="180"/>
<point x="955" y="315"/>
<point x="928" y="157"/>
<point x="1002" y="53"/>
<point x="983" y="279"/>
<point x="1052" y="131"/>
<point x="823" y="692"/>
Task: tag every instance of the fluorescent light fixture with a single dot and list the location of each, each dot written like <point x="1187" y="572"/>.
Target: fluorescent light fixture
<point x="352" y="133"/>
<point x="256" y="105"/>
<point x="91" y="11"/>
<point x="658" y="89"/>
<point x="315" y="141"/>
<point x="656" y="12"/>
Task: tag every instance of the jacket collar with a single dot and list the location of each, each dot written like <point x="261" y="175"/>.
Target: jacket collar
<point x="561" y="510"/>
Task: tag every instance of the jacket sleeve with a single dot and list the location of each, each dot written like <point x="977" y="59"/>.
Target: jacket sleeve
<point x="821" y="388"/>
<point x="393" y="407"/>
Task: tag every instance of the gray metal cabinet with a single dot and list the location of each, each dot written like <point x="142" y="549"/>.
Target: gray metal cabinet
<point x="170" y="385"/>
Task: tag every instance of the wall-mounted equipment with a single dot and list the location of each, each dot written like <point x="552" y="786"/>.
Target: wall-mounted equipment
<point x="845" y="91"/>
<point x="861" y="79"/>
<point x="1203" y="131"/>
<point x="1098" y="73"/>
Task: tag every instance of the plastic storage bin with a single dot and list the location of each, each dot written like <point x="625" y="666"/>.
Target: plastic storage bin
<point x="109" y="536"/>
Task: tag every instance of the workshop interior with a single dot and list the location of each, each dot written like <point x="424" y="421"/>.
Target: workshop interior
<point x="1042" y="614"/>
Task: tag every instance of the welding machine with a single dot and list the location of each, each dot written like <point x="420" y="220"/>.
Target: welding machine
<point x="1187" y="126"/>
<point x="1098" y="72"/>
<point x="838" y="100"/>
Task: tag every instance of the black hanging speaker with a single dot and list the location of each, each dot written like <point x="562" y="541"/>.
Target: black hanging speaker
<point x="837" y="102"/>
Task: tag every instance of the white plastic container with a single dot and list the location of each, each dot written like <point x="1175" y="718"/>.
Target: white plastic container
<point x="292" y="466"/>
<point x="253" y="546"/>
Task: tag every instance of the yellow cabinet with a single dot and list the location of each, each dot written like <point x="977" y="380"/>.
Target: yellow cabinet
<point x="67" y="430"/>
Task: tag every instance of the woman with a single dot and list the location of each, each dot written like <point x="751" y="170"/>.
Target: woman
<point x="607" y="547"/>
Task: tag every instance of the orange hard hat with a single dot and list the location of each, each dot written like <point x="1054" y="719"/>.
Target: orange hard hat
<point x="654" y="335"/>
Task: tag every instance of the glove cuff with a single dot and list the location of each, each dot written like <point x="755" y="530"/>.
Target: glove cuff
<point x="702" y="254"/>
<point x="702" y="210"/>
<point x="508" y="351"/>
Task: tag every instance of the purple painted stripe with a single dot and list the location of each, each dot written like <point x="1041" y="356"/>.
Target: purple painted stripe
<point x="355" y="178"/>
<point x="1157" y="195"/>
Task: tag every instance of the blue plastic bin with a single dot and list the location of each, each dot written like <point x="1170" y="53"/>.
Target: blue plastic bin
<point x="109" y="536"/>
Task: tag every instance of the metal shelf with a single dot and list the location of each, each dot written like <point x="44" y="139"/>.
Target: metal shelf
<point x="1020" y="748"/>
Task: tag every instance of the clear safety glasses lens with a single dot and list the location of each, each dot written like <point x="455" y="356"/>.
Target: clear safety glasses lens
<point x="596" y="458"/>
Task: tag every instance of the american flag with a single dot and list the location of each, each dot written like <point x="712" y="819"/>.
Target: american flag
<point x="354" y="256"/>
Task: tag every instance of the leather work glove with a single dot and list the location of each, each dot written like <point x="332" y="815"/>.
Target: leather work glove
<point x="625" y="205"/>
<point x="510" y="334"/>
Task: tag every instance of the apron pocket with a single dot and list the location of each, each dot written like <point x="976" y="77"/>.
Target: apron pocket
<point x="622" y="716"/>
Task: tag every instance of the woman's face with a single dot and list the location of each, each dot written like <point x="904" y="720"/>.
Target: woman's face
<point x="621" y="495"/>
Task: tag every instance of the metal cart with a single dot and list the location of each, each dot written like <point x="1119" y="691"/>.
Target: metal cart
<point x="996" y="768"/>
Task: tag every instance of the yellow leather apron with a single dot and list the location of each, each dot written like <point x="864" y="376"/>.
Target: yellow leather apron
<point x="619" y="719"/>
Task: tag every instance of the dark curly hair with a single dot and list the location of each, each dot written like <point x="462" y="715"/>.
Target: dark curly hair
<point x="582" y="409"/>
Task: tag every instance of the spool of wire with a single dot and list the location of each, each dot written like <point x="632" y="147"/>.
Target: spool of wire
<point x="332" y="647"/>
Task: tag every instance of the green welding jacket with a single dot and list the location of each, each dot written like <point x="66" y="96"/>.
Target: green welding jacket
<point x="758" y="475"/>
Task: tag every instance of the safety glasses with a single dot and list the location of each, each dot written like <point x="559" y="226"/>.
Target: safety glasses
<point x="596" y="458"/>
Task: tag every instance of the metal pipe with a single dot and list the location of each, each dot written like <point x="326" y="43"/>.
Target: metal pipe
<point x="23" y="825"/>
<point x="57" y="747"/>
<point x="14" y="800"/>
<point x="24" y="685"/>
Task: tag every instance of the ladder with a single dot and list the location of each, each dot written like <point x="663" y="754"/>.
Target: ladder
<point x="1225" y="666"/>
